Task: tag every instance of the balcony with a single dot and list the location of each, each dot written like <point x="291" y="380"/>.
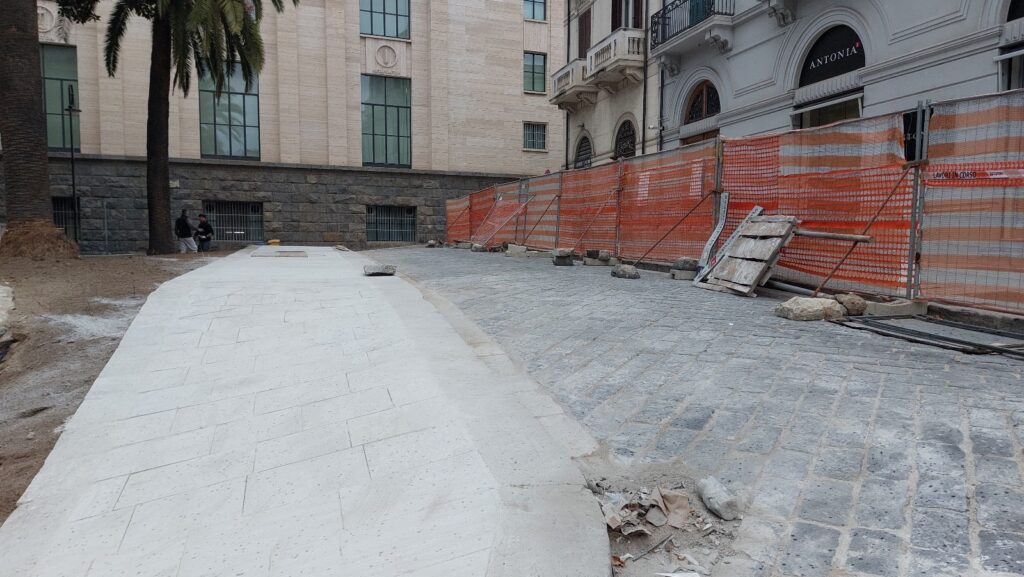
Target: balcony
<point x="685" y="24"/>
<point x="617" y="58"/>
<point x="571" y="88"/>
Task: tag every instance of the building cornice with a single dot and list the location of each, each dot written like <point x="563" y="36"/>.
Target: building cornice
<point x="969" y="45"/>
<point x="756" y="109"/>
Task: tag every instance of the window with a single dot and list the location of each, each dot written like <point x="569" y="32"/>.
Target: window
<point x="1013" y="72"/>
<point x="583" y="26"/>
<point x="1016" y="10"/>
<point x="703" y="103"/>
<point x="535" y="136"/>
<point x="60" y="71"/>
<point x="229" y="126"/>
<point x="534" y="72"/>
<point x="535" y="9"/>
<point x="65" y="216"/>
<point x="235" y="221"/>
<point x="829" y="113"/>
<point x="387" y="121"/>
<point x="384" y="18"/>
<point x="584" y="154"/>
<point x="627" y="14"/>
<point x="625" y="141"/>
<point x="390" y="224"/>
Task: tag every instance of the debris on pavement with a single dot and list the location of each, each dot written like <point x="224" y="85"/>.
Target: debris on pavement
<point x="855" y="306"/>
<point x="478" y="248"/>
<point x="638" y="512"/>
<point x="432" y="244"/>
<point x="562" y="257"/>
<point x="747" y="260"/>
<point x="718" y="499"/>
<point x="625" y="271"/>
<point x="810" y="309"/>
<point x="380" y="270"/>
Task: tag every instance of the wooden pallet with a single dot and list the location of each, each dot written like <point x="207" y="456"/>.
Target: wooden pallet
<point x="749" y="259"/>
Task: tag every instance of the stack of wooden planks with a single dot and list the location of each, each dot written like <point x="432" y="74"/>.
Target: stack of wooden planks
<point x="745" y="262"/>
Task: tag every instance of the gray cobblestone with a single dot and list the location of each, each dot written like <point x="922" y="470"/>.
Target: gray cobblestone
<point x="709" y="383"/>
<point x="874" y="552"/>
<point x="1002" y="552"/>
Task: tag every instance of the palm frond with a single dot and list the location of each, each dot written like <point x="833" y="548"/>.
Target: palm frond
<point x="116" y="28"/>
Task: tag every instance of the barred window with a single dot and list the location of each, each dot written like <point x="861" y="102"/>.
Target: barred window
<point x="535" y="9"/>
<point x="534" y="72"/>
<point x="384" y="18"/>
<point x="229" y="126"/>
<point x="65" y="216"/>
<point x="535" y="135"/>
<point x="235" y="221"/>
<point x="60" y="70"/>
<point x="387" y="121"/>
<point x="390" y="223"/>
<point x="584" y="154"/>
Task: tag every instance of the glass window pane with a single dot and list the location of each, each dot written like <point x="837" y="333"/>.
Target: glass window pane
<point x="252" y="110"/>
<point x="391" y="25"/>
<point x="206" y="145"/>
<point x="367" y="119"/>
<point x="206" y="81"/>
<point x="364" y="23"/>
<point x="54" y="100"/>
<point x="378" y="5"/>
<point x="223" y="137"/>
<point x="364" y="4"/>
<point x="398" y="91"/>
<point x="252" y="142"/>
<point x="392" y="150"/>
<point x="379" y="124"/>
<point x="367" y="148"/>
<point x="392" y="116"/>
<point x="403" y="7"/>
<point x="223" y="109"/>
<point x="364" y="82"/>
<point x="391" y="6"/>
<point x="237" y="109"/>
<point x="403" y="26"/>
<point x="379" y="148"/>
<point x="378" y="24"/>
<point x="404" y="122"/>
<point x="54" y="131"/>
<point x="235" y="80"/>
<point x="206" y="107"/>
<point x="60" y="62"/>
<point x="237" y="141"/>
<point x="76" y="131"/>
<point x="377" y="84"/>
<point x="405" y="151"/>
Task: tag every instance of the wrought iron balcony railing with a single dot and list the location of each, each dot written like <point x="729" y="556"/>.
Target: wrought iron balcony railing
<point x="681" y="15"/>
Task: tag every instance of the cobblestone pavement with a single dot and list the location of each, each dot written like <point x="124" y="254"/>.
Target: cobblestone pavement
<point x="860" y="454"/>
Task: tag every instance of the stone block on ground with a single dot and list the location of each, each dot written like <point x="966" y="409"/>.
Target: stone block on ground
<point x="605" y="255"/>
<point x="810" y="309"/>
<point x="432" y="244"/>
<point x="683" y="274"/>
<point x="562" y="260"/>
<point x="897" y="307"/>
<point x="854" y="305"/>
<point x="587" y="261"/>
<point x="561" y="252"/>
<point x="516" y="250"/>
<point x="380" y="270"/>
<point x="478" y="248"/>
<point x="625" y="271"/>
<point x="718" y="499"/>
<point x="463" y="245"/>
<point x="685" y="263"/>
<point x="593" y="253"/>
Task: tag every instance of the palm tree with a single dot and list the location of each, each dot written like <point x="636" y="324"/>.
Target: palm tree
<point x="205" y="35"/>
<point x="22" y="126"/>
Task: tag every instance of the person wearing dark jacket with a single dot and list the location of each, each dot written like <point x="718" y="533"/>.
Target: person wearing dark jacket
<point x="183" y="230"/>
<point x="204" y="234"/>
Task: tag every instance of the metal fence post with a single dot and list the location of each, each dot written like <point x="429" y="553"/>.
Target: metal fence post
<point x="558" y="209"/>
<point x="917" y="201"/>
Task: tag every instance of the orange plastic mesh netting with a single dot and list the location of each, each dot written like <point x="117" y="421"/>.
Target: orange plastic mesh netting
<point x="457" y="211"/>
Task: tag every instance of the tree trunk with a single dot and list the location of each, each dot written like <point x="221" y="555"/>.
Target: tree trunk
<point x="158" y="186"/>
<point x="22" y="123"/>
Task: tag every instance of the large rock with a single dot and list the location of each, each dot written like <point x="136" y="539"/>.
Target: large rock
<point x="854" y="305"/>
<point x="431" y="244"/>
<point x="379" y="270"/>
<point x="516" y="250"/>
<point x="605" y="255"/>
<point x="561" y="252"/>
<point x="478" y="248"/>
<point x="810" y="309"/>
<point x="625" y="271"/>
<point x="718" y="499"/>
<point x="685" y="263"/>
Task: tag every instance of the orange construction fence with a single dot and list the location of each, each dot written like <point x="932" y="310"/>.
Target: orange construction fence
<point x="949" y="227"/>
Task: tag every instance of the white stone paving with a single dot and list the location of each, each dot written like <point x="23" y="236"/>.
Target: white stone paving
<point x="289" y="416"/>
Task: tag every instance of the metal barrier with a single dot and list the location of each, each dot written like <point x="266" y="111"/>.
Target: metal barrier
<point x="947" y="226"/>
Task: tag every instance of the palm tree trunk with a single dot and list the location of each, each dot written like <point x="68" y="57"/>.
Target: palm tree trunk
<point x="22" y="123"/>
<point x="158" y="186"/>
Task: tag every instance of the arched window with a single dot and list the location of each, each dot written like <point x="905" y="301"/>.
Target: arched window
<point x="1016" y="10"/>
<point x="584" y="154"/>
<point x="625" y="141"/>
<point x="703" y="103"/>
<point x="838" y="51"/>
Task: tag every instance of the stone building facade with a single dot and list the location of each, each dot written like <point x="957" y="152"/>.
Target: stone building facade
<point x="445" y="91"/>
<point x="741" y="67"/>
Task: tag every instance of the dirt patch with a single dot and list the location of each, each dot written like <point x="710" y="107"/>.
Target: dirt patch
<point x="37" y="239"/>
<point x="69" y="317"/>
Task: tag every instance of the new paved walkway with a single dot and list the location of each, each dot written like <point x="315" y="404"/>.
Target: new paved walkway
<point x="271" y="415"/>
<point x="862" y="455"/>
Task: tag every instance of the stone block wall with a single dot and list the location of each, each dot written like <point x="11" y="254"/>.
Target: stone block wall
<point x="309" y="205"/>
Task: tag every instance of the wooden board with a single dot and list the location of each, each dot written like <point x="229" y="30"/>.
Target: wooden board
<point x="789" y="219"/>
<point x="739" y="271"/>
<point x="703" y="274"/>
<point x="767" y="229"/>
<point x="755" y="248"/>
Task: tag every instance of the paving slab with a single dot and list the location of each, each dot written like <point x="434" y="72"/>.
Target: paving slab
<point x="867" y="455"/>
<point x="290" y="416"/>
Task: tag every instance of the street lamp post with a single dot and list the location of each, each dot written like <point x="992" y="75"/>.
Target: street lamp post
<point x="72" y="112"/>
